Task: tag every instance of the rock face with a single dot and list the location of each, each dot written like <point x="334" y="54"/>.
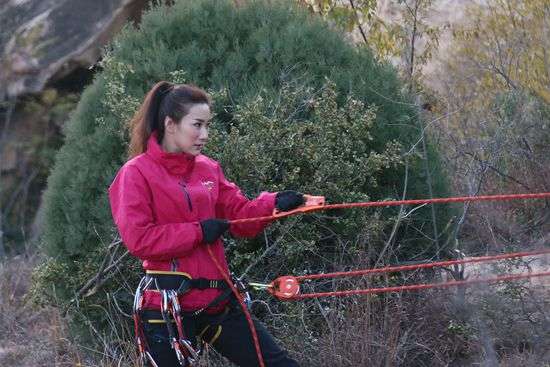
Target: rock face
<point x="42" y="40"/>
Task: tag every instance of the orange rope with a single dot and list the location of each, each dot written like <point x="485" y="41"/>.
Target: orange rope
<point x="390" y="269"/>
<point x="314" y="208"/>
<point x="419" y="286"/>
<point x="235" y="291"/>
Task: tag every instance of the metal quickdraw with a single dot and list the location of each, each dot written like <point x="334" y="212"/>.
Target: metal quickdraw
<point x="185" y="342"/>
<point x="174" y="343"/>
<point x="144" y="355"/>
<point x="171" y="312"/>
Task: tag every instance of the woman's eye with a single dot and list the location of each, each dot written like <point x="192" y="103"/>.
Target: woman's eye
<point x="197" y="124"/>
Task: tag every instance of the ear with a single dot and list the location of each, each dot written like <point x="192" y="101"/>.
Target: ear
<point x="169" y="125"/>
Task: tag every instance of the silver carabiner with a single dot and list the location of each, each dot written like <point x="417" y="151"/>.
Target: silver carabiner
<point x="150" y="358"/>
<point x="183" y="360"/>
<point x="175" y="301"/>
<point x="137" y="295"/>
<point x="164" y="304"/>
<point x="190" y="349"/>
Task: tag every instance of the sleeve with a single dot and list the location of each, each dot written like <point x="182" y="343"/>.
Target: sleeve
<point x="232" y="204"/>
<point x="131" y="206"/>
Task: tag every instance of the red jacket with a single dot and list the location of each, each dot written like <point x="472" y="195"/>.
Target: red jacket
<point x="157" y="201"/>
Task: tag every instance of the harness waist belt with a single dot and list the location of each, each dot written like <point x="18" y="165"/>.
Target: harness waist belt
<point x="182" y="283"/>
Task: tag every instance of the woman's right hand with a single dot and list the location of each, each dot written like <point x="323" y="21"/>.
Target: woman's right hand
<point x="212" y="229"/>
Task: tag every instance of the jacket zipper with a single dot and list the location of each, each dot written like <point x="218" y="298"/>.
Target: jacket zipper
<point x="184" y="187"/>
<point x="174" y="265"/>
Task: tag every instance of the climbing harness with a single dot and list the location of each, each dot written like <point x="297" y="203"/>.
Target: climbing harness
<point x="180" y="325"/>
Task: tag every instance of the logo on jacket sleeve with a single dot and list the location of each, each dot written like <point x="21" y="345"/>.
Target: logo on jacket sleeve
<point x="208" y="185"/>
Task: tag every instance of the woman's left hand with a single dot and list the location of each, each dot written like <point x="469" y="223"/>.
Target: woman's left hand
<point x="288" y="200"/>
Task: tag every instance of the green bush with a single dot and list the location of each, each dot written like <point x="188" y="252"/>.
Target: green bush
<point x="296" y="107"/>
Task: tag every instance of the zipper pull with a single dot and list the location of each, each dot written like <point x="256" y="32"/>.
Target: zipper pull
<point x="188" y="197"/>
<point x="174" y="265"/>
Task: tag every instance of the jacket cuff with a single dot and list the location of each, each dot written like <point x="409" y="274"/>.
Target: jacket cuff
<point x="268" y="202"/>
<point x="199" y="234"/>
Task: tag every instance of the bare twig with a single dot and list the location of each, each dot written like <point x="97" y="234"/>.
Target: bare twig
<point x="268" y="249"/>
<point x="358" y="22"/>
<point x="21" y="188"/>
<point x="5" y="128"/>
<point x="103" y="274"/>
<point x="389" y="242"/>
<point x="497" y="171"/>
<point x="430" y="192"/>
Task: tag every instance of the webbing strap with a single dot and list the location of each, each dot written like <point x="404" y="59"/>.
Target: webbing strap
<point x="182" y="284"/>
<point x="203" y="283"/>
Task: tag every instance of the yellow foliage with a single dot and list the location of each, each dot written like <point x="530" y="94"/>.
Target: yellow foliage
<point x="506" y="43"/>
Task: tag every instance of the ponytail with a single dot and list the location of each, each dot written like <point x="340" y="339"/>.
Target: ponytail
<point x="163" y="100"/>
<point x="145" y="120"/>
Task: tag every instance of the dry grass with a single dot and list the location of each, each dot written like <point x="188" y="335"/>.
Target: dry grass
<point x="30" y="336"/>
<point x="493" y="327"/>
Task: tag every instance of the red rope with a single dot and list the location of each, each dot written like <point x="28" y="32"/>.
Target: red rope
<point x="235" y="291"/>
<point x="461" y="199"/>
<point x="418" y="286"/>
<point x="390" y="269"/>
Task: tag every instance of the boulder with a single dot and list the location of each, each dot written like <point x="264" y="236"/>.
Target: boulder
<point x="44" y="40"/>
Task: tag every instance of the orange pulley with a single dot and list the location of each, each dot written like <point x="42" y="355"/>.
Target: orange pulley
<point x="285" y="287"/>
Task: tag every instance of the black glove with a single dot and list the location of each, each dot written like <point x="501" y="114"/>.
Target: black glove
<point x="212" y="229"/>
<point x="288" y="200"/>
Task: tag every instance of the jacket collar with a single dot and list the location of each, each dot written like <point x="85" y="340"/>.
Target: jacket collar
<point x="179" y="164"/>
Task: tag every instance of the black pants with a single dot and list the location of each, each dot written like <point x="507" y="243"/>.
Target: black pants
<point x="229" y="334"/>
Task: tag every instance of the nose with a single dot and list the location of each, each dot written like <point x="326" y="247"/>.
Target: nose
<point x="203" y="136"/>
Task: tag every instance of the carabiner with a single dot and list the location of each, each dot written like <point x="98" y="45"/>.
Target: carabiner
<point x="149" y="357"/>
<point x="139" y="294"/>
<point x="175" y="302"/>
<point x="243" y="286"/>
<point x="194" y="354"/>
<point x="164" y="304"/>
<point x="183" y="361"/>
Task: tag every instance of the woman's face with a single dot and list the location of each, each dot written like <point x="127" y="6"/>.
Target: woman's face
<point x="190" y="134"/>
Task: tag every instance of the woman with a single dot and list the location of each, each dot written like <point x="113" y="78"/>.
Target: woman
<point x="170" y="203"/>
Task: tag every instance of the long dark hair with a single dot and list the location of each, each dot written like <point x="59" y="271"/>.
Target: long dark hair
<point x="165" y="99"/>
